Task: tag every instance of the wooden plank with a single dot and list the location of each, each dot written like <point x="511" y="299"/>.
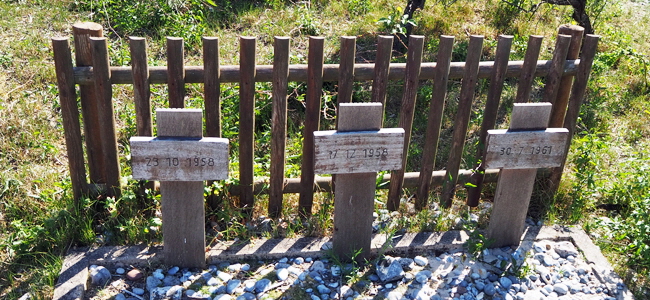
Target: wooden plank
<point x="407" y="112"/>
<point x="346" y="69"/>
<point x="82" y="31"/>
<point x="554" y="77"/>
<point x="176" y="67"/>
<point x="246" y="120"/>
<point x="183" y="214"/>
<point x="358" y="151"/>
<point x="355" y="193"/>
<point x="312" y="121"/>
<point x="382" y="67"/>
<point x="515" y="187"/>
<point x="141" y="86"/>
<point x="525" y="85"/>
<point x="526" y="149"/>
<point x="490" y="115"/>
<point x="70" y="116"/>
<point x="278" y="124"/>
<point x="176" y="159"/>
<point x="564" y="90"/>
<point x="212" y="86"/>
<point x="434" y="120"/>
<point x="298" y="73"/>
<point x="104" y="94"/>
<point x="462" y="118"/>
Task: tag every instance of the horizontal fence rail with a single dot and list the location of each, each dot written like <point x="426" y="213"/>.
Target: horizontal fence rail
<point x="95" y="79"/>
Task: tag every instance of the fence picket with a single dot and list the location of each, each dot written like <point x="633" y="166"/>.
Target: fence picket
<point x="489" y="115"/>
<point x="246" y="120"/>
<point x="278" y="124"/>
<point x="525" y="85"/>
<point x="212" y="87"/>
<point x="434" y="120"/>
<point x="104" y="94"/>
<point x="407" y="112"/>
<point x="176" y="72"/>
<point x="312" y="122"/>
<point x="346" y="69"/>
<point x="84" y="58"/>
<point x="462" y="117"/>
<point x="70" y="115"/>
<point x="564" y="90"/>
<point x="382" y="67"/>
<point x="554" y="76"/>
<point x="141" y="86"/>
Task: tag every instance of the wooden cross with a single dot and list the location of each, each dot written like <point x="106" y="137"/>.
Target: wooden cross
<point x="355" y="153"/>
<point x="519" y="151"/>
<point x="181" y="158"/>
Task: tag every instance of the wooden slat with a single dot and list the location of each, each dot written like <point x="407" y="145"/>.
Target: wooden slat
<point x="462" y="118"/>
<point x="554" y="76"/>
<point x="70" y="115"/>
<point x="525" y="85"/>
<point x="212" y="87"/>
<point x="298" y="73"/>
<point x="104" y="94"/>
<point x="490" y="115"/>
<point x="246" y="120"/>
<point x="382" y="66"/>
<point x="312" y="120"/>
<point x="560" y="103"/>
<point x="84" y="58"/>
<point x="578" y="92"/>
<point x="182" y="207"/>
<point x="407" y="112"/>
<point x="434" y="121"/>
<point x="141" y="86"/>
<point x="278" y="124"/>
<point x="176" y="67"/>
<point x="346" y="69"/>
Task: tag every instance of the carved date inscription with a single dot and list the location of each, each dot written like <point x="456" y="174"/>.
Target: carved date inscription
<point x="526" y="149"/>
<point x="175" y="159"/>
<point x="358" y="151"/>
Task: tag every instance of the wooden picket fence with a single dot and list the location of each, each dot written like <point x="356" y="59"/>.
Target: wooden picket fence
<point x="566" y="77"/>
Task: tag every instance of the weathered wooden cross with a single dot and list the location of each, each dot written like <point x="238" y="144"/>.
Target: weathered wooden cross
<point x="519" y="151"/>
<point x="181" y="158"/>
<point x="355" y="153"/>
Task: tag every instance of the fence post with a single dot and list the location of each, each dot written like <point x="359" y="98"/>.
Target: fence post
<point x="83" y="57"/>
<point x="278" y="124"/>
<point x="70" y="115"/>
<point x="246" y="121"/>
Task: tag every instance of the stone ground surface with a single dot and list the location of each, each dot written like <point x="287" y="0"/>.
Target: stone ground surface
<point x="75" y="281"/>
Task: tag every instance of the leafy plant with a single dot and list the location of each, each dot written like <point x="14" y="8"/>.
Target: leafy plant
<point x="396" y="22"/>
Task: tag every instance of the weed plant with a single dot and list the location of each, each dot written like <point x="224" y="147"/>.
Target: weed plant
<point x="605" y="189"/>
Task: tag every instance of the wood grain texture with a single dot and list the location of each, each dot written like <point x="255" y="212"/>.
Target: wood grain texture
<point x="407" y="112"/>
<point x="358" y="151"/>
<point x="104" y="97"/>
<point x="312" y="122"/>
<point x="515" y="187"/>
<point x="554" y="77"/>
<point x="278" y="124"/>
<point x="462" y="118"/>
<point x="526" y="149"/>
<point x="354" y="197"/>
<point x="525" y="85"/>
<point x="382" y="67"/>
<point x="183" y="214"/>
<point x="434" y="120"/>
<point x="176" y="69"/>
<point x="346" y="69"/>
<point x="490" y="115"/>
<point x="82" y="32"/>
<point x="141" y="86"/>
<point x="70" y="116"/>
<point x="212" y="86"/>
<point x="246" y="120"/>
<point x="179" y="159"/>
<point x="564" y="90"/>
<point x="299" y="73"/>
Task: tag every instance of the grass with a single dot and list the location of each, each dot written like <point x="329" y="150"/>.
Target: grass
<point x="605" y="190"/>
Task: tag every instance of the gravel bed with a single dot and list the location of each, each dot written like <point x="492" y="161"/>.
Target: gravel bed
<point x="550" y="270"/>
